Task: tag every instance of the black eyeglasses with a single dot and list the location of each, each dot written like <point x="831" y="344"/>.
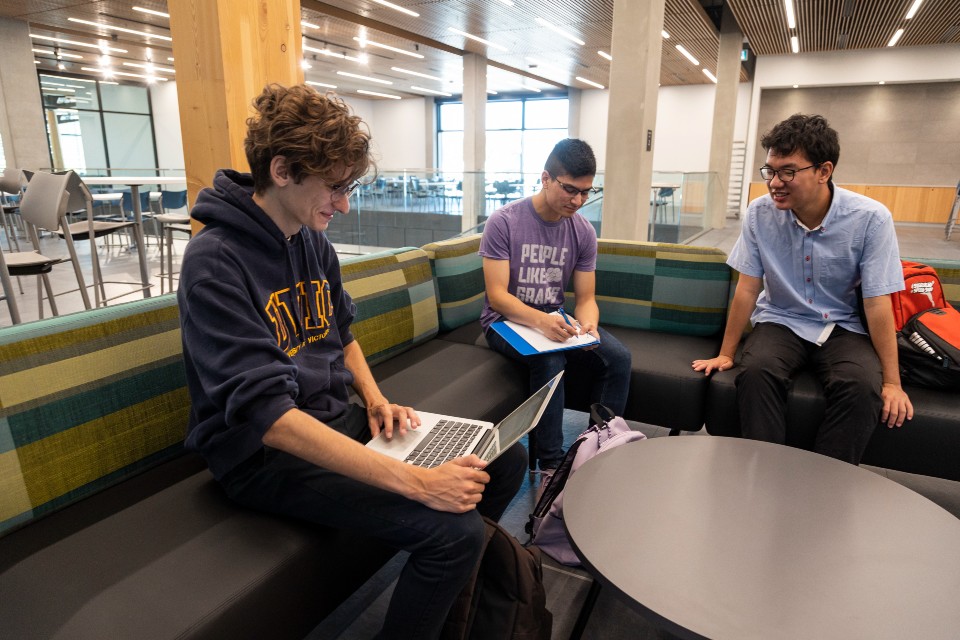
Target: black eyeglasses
<point x="573" y="191"/>
<point x="344" y="190"/>
<point x="785" y="175"/>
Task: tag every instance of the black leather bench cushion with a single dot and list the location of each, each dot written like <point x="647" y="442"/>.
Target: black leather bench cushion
<point x="928" y="445"/>
<point x="184" y="563"/>
<point x="454" y="378"/>
<point x="664" y="388"/>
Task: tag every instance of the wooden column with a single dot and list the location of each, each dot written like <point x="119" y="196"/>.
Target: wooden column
<point x="224" y="52"/>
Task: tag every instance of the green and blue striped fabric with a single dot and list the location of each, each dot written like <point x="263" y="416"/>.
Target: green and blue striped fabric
<point x="949" y="272"/>
<point x="396" y="304"/>
<point x="458" y="273"/>
<point x="662" y="287"/>
<point x="87" y="400"/>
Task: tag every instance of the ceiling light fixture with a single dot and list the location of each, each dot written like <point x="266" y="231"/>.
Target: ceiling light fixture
<point x="321" y="84"/>
<point x="791" y="17"/>
<point x="555" y="28"/>
<point x="77" y="44"/>
<point x="305" y="65"/>
<point x="895" y="38"/>
<point x="379" y="95"/>
<point x="364" y="42"/>
<point x="433" y="91"/>
<point x="110" y="27"/>
<point x="914" y="8"/>
<point x="509" y="3"/>
<point x="148" y="67"/>
<point x="390" y="5"/>
<point x="688" y="55"/>
<point x="360" y="77"/>
<point x="151" y="12"/>
<point x="591" y="83"/>
<point x="362" y="58"/>
<point x="665" y="34"/>
<point x="712" y="77"/>
<point x="109" y="73"/>
<point x="309" y="25"/>
<point x="477" y="38"/>
<point x="416" y="73"/>
<point x="795" y="44"/>
<point x="604" y="54"/>
<point x="46" y="52"/>
<point x="883" y="82"/>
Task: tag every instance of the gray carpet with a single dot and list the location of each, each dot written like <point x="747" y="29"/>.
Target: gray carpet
<point x="360" y="617"/>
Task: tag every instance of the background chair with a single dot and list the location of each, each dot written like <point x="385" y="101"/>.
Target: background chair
<point x="169" y="223"/>
<point x="43" y="205"/>
<point x="93" y="228"/>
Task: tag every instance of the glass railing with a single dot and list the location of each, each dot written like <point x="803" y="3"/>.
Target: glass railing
<point x="679" y="205"/>
<point x="416" y="207"/>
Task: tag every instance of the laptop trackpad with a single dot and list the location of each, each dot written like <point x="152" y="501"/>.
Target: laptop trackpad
<point x="398" y="444"/>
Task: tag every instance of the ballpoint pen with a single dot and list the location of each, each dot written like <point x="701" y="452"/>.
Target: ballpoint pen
<point x="567" y="319"/>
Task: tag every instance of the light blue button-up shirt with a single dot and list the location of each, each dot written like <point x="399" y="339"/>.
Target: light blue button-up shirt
<point x="810" y="276"/>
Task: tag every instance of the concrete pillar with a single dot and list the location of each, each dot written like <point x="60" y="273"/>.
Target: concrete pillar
<point x="225" y="52"/>
<point x="22" y="123"/>
<point x="575" y="97"/>
<point x="474" y="137"/>
<point x="430" y="129"/>
<point x="632" y="118"/>
<point x="724" y="119"/>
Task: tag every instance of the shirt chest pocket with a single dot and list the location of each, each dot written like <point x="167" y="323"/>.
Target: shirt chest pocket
<point x="835" y="274"/>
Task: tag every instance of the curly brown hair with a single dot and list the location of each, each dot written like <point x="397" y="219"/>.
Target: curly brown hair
<point x="317" y="134"/>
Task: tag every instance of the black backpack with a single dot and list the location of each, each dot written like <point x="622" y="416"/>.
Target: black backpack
<point x="505" y="597"/>
<point x="929" y="349"/>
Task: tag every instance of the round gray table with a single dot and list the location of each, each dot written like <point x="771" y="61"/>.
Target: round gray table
<point x="714" y="537"/>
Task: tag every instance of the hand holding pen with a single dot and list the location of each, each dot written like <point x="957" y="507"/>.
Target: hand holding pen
<point x="574" y="323"/>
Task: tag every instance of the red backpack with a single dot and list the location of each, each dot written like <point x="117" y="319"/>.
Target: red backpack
<point x="922" y="291"/>
<point x="928" y="330"/>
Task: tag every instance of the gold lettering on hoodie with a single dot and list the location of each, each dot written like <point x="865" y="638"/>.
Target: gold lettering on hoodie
<point x="313" y="306"/>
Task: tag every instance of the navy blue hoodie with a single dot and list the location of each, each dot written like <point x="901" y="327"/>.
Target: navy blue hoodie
<point x="264" y="321"/>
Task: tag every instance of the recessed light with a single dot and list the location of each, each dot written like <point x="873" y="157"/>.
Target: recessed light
<point x="433" y="91"/>
<point x="478" y="39"/>
<point x="913" y="9"/>
<point x="321" y="84"/>
<point x="688" y="55"/>
<point x="604" y="54"/>
<point x="151" y="12"/>
<point x="556" y="29"/>
<point x="77" y="43"/>
<point x="795" y="44"/>
<point x="895" y="38"/>
<point x="360" y="77"/>
<point x="110" y="27"/>
<point x="416" y="73"/>
<point x="363" y="42"/>
<point x="379" y="95"/>
<point x="390" y="5"/>
<point x="712" y="77"/>
<point x="591" y="83"/>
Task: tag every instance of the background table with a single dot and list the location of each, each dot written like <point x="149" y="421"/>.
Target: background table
<point x="716" y="537"/>
<point x="135" y="182"/>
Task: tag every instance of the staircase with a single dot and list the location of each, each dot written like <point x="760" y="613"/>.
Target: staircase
<point x="738" y="156"/>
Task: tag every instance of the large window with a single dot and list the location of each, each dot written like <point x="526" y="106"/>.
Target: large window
<point x="94" y="125"/>
<point x="520" y="134"/>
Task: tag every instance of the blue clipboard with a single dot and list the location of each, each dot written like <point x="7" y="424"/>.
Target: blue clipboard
<point x="524" y="348"/>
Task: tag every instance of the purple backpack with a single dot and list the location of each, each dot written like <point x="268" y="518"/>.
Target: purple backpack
<point x="546" y="521"/>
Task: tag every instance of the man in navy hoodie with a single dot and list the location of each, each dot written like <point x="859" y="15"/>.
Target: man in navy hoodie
<point x="270" y="359"/>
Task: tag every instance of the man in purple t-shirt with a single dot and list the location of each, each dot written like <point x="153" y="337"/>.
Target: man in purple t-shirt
<point x="531" y="248"/>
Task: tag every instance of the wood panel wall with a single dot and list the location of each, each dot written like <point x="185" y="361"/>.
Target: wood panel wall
<point x="906" y="203"/>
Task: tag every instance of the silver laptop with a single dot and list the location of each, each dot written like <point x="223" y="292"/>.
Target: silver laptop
<point x="441" y="438"/>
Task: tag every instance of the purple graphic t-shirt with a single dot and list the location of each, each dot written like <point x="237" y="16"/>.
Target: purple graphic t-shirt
<point x="543" y="255"/>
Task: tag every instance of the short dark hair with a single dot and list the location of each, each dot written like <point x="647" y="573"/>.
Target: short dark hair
<point x="571" y="157"/>
<point x="316" y="133"/>
<point x="811" y="135"/>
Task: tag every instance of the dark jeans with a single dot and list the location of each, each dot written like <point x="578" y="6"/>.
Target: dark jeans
<point x="847" y="367"/>
<point x="444" y="547"/>
<point x="607" y="367"/>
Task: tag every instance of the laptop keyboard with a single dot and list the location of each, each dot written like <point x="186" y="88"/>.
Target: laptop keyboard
<point x="446" y="441"/>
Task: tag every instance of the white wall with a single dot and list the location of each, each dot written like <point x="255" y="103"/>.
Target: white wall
<point x="166" y="125"/>
<point x="684" y="125"/>
<point x="398" y="128"/>
<point x="890" y="64"/>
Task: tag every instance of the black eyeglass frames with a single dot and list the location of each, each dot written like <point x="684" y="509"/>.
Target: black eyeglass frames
<point x="785" y="175"/>
<point x="573" y="191"/>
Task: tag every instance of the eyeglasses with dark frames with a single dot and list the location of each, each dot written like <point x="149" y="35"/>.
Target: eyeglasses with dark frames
<point x="343" y="190"/>
<point x="573" y="191"/>
<point x="785" y="175"/>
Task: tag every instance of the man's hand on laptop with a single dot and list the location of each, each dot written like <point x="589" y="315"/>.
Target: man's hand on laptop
<point x="391" y="418"/>
<point x="455" y="486"/>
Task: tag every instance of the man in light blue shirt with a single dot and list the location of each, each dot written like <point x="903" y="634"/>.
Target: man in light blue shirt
<point x="804" y="249"/>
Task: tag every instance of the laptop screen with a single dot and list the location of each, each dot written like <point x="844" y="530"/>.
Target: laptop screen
<point x="523" y="418"/>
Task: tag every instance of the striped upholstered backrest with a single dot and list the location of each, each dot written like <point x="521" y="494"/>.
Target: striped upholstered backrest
<point x="458" y="272"/>
<point x="85" y="401"/>
<point x="662" y="287"/>
<point x="396" y="305"/>
<point x="949" y="272"/>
